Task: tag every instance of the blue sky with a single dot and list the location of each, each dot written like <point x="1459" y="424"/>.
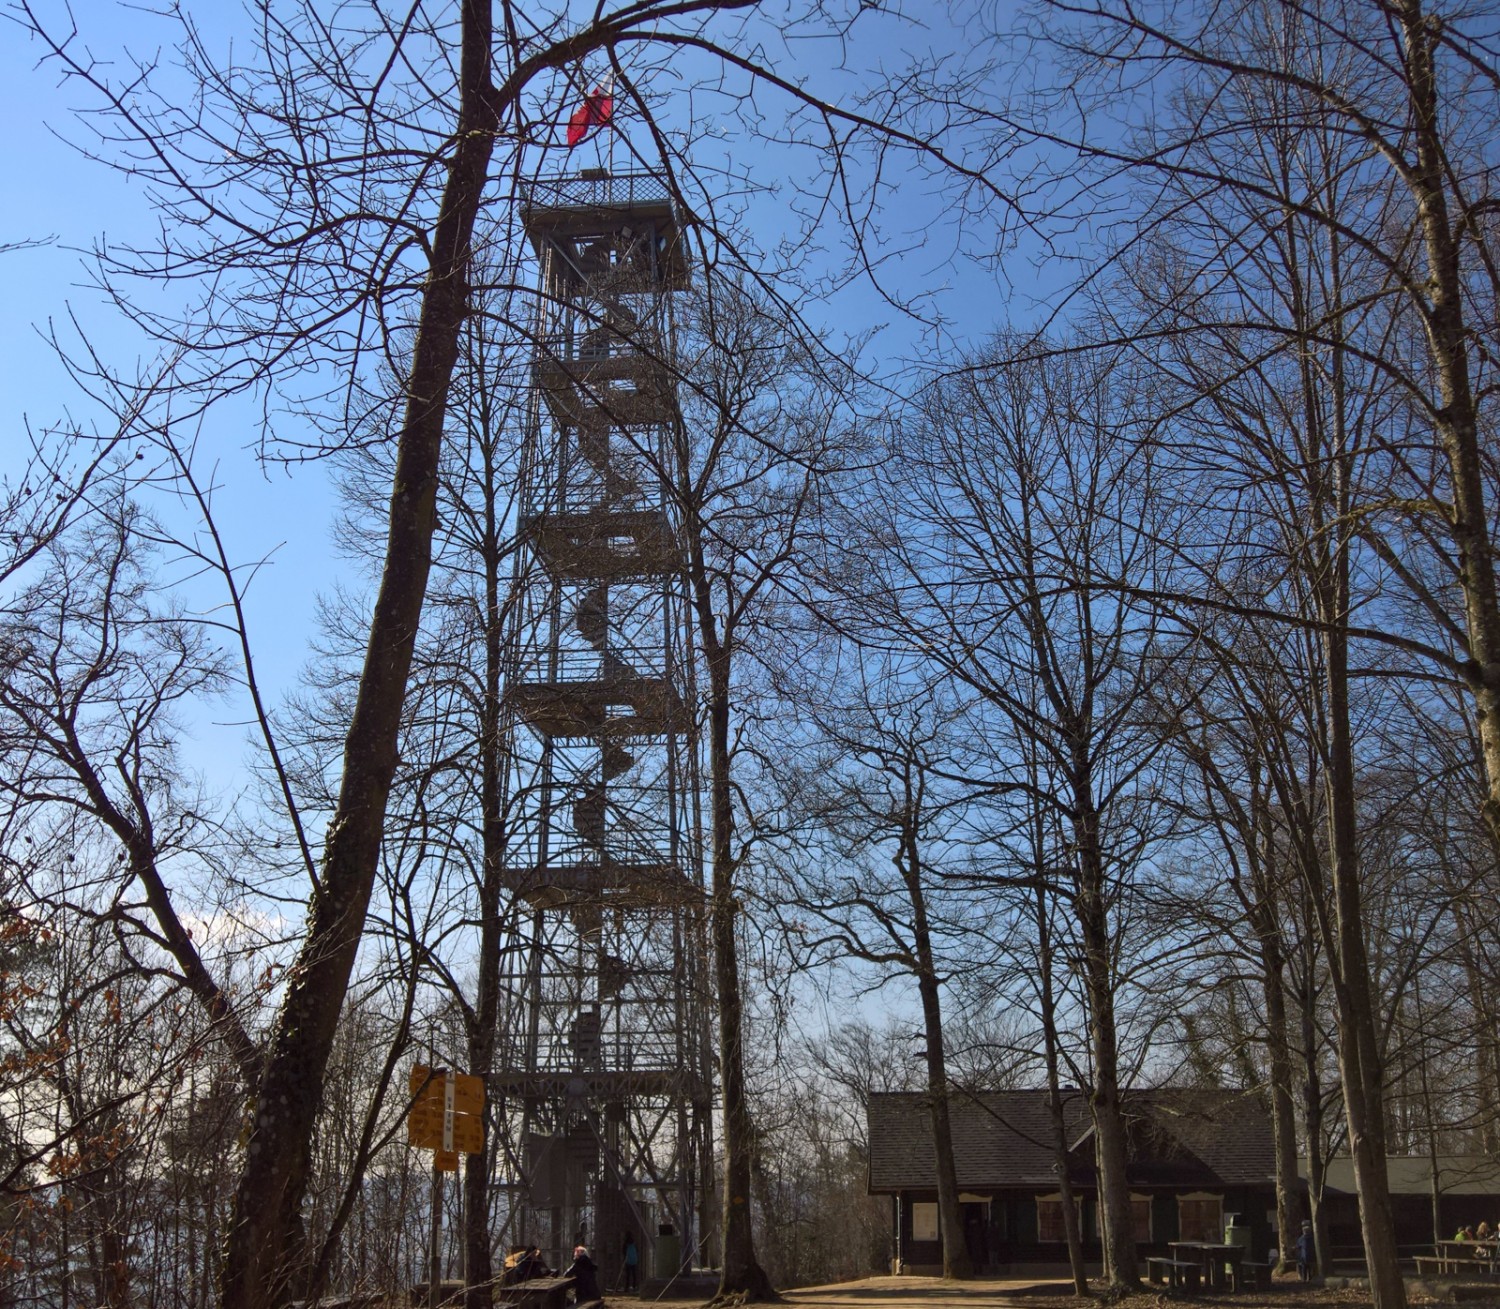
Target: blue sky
<point x="58" y="196"/>
<point x="68" y="201"/>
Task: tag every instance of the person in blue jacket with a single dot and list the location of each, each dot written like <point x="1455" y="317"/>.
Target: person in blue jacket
<point x="632" y="1261"/>
<point x="1307" y="1252"/>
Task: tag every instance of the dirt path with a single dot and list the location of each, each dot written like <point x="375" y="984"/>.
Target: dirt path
<point x="1045" y="1293"/>
<point x="929" y="1293"/>
<point x="1042" y="1293"/>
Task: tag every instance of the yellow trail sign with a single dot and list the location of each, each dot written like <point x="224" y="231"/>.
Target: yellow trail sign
<point x="446" y="1115"/>
<point x="427" y="1133"/>
<point x="429" y="1083"/>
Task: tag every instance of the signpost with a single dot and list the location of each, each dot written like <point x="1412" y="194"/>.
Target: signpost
<point x="447" y="1117"/>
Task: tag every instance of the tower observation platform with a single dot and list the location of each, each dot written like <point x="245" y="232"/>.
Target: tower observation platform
<point x="603" y="1076"/>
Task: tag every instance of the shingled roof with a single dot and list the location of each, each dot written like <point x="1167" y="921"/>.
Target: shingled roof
<point x="1178" y="1137"/>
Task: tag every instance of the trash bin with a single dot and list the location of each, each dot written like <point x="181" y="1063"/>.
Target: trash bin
<point x="668" y="1251"/>
<point x="1237" y="1233"/>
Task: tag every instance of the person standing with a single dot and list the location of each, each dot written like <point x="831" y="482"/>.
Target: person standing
<point x="1307" y="1252"/>
<point x="632" y="1261"/>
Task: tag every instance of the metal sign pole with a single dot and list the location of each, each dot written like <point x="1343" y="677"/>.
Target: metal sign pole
<point x="437" y="1189"/>
<point x="447" y="1118"/>
<point x="435" y="1271"/>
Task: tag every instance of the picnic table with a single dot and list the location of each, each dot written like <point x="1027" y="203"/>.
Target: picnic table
<point x="536" y="1293"/>
<point x="354" y="1300"/>
<point x="1252" y="1274"/>
<point x="1455" y="1258"/>
<point x="450" y="1291"/>
<point x="1212" y="1257"/>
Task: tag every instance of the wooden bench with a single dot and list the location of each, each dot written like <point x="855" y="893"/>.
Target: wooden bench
<point x="1183" y="1274"/>
<point x="1251" y="1275"/>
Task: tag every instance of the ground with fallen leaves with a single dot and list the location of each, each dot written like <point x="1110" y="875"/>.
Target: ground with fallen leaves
<point x="1032" y="1293"/>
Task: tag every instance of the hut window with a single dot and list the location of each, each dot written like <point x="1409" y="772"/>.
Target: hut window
<point x="1200" y="1217"/>
<point x="924" y="1221"/>
<point x="1049" y="1218"/>
<point x="1140" y="1217"/>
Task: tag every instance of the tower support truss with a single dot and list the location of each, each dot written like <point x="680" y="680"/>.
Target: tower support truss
<point x="603" y="1080"/>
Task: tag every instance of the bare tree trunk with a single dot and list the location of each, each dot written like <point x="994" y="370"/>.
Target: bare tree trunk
<point x="1456" y="417"/>
<point x="1361" y="1063"/>
<point x="263" y="1252"/>
<point x="1116" y="1222"/>
<point x="1312" y="1084"/>
<point x="481" y="1035"/>
<point x="740" y="1272"/>
<point x="1265" y="919"/>
<point x="1060" y="1154"/>
<point x="1435" y="1176"/>
<point x="956" y="1261"/>
<point x="1283" y="1107"/>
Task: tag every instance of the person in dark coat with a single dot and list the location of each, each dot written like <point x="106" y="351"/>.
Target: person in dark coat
<point x="585" y="1274"/>
<point x="1307" y="1253"/>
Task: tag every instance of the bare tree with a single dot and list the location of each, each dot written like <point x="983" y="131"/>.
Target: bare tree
<point x="1017" y="501"/>
<point x="1345" y="145"/>
<point x="1248" y="743"/>
<point x="1293" y="337"/>
<point x="328" y="194"/>
<point x="97" y="661"/>
<point x="874" y="783"/>
<point x="455" y="739"/>
<point x="761" y="435"/>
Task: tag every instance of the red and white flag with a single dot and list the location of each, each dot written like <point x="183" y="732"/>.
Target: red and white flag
<point x="594" y="112"/>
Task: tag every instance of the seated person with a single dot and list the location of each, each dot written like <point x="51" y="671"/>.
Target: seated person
<point x="522" y="1264"/>
<point x="585" y="1273"/>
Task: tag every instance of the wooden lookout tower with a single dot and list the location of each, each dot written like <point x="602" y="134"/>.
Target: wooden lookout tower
<point x="604" y="1069"/>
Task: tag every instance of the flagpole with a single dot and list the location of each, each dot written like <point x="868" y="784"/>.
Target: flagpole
<point x="609" y="126"/>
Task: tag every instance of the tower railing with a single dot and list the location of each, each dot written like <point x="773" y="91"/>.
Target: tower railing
<point x="593" y="189"/>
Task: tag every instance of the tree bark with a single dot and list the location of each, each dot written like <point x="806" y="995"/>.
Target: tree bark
<point x="1060" y="1151"/>
<point x="263" y="1247"/>
<point x="956" y="1260"/>
<point x="1265" y="920"/>
<point x="1283" y="1106"/>
<point x="1116" y="1222"/>
<point x="740" y="1273"/>
<point x="481" y="1035"/>
<point x="1456" y="415"/>
<point x="1312" y="1084"/>
<point x="1361" y="1064"/>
